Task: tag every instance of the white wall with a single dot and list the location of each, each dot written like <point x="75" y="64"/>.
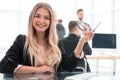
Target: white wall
<point x="14" y="16"/>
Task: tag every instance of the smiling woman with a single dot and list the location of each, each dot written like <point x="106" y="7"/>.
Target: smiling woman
<point x="41" y="20"/>
<point x="14" y="15"/>
<point x="38" y="51"/>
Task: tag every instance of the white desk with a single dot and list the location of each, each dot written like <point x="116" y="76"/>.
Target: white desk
<point x="61" y="76"/>
<point x="105" y="57"/>
<point x="93" y="76"/>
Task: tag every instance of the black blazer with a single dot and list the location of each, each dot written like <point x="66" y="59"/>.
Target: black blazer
<point x="15" y="56"/>
<point x="69" y="43"/>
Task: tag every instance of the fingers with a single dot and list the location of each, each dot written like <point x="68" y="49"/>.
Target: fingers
<point x="86" y="28"/>
<point x="45" y="69"/>
<point x="88" y="35"/>
<point x="91" y="35"/>
<point x="49" y="69"/>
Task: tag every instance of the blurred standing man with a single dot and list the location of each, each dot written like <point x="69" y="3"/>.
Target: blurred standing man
<point x="80" y="14"/>
<point x="60" y="29"/>
<point x="86" y="27"/>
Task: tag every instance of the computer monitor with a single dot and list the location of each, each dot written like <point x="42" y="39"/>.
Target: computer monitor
<point x="104" y="42"/>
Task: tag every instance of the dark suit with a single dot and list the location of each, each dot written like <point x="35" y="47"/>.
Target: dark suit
<point x="60" y="31"/>
<point x="16" y="55"/>
<point x="70" y="43"/>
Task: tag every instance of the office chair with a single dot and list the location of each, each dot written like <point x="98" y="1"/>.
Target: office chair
<point x="82" y="69"/>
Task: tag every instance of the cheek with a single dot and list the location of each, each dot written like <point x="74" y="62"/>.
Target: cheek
<point x="48" y="22"/>
<point x="34" y="22"/>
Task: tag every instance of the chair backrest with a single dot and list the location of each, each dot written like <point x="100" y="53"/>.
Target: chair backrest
<point x="84" y="69"/>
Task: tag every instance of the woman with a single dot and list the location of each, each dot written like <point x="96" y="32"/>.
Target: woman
<point x="38" y="52"/>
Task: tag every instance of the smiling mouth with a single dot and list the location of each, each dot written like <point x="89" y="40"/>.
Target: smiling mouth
<point x="40" y="25"/>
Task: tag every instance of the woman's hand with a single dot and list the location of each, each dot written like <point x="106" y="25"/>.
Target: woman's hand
<point x="44" y="69"/>
<point x="34" y="69"/>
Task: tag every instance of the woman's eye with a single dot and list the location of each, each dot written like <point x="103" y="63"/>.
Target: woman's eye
<point x="48" y="18"/>
<point x="37" y="16"/>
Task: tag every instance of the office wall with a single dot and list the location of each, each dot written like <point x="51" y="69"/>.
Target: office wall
<point x="14" y="16"/>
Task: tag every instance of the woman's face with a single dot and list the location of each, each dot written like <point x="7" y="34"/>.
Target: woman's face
<point x="41" y="21"/>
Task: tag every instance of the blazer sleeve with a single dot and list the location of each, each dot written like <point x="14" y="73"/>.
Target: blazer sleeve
<point x="87" y="49"/>
<point x="68" y="63"/>
<point x="11" y="59"/>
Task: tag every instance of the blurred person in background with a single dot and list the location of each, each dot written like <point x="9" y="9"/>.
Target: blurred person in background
<point x="80" y="14"/>
<point x="70" y="42"/>
<point x="60" y="29"/>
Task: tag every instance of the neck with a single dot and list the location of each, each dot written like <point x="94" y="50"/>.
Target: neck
<point x="81" y="19"/>
<point x="41" y="38"/>
<point x="73" y="33"/>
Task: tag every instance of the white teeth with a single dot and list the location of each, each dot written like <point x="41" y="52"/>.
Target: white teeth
<point x="40" y="24"/>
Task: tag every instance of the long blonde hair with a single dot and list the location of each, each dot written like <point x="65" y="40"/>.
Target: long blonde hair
<point x="31" y="45"/>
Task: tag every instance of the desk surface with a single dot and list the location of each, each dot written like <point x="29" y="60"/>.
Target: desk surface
<point x="44" y="76"/>
<point x="58" y="76"/>
<point x="103" y="57"/>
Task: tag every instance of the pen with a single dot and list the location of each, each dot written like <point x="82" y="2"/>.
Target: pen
<point x="96" y="27"/>
<point x="81" y="27"/>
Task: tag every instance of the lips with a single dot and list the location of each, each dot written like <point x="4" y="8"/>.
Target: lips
<point x="41" y="25"/>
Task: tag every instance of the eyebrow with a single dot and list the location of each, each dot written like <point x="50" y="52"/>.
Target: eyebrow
<point x="40" y="14"/>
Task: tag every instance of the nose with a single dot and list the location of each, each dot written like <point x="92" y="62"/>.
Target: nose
<point x="41" y="20"/>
